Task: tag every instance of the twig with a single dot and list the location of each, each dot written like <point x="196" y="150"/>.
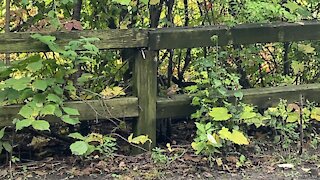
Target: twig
<point x="286" y="61"/>
<point x="175" y="158"/>
<point x="301" y="125"/>
<point x="129" y="142"/>
<point x="7" y="28"/>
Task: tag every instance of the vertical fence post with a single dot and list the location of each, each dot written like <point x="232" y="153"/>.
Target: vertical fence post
<point x="145" y="88"/>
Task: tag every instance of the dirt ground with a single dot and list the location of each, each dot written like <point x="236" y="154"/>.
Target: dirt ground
<point x="261" y="162"/>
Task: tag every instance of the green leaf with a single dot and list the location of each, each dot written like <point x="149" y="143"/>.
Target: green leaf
<point x="122" y="2"/>
<point x="201" y="127"/>
<point x="48" y="110"/>
<point x="23" y="123"/>
<point x="220" y="114"/>
<point x="91" y="48"/>
<point x="292" y="6"/>
<point x="79" y="147"/>
<point x="198" y="146"/>
<point x="2" y="132"/>
<point x="54" y="98"/>
<point x="84" y="78"/>
<point x="76" y="135"/>
<point x="39" y="98"/>
<point x="144" y="1"/>
<point x="58" y="112"/>
<point x="49" y="40"/>
<point x="91" y="148"/>
<point x="67" y="119"/>
<point x="257" y="121"/>
<point x="248" y="113"/>
<point x="41" y="125"/>
<point x="66" y="1"/>
<point x="35" y="66"/>
<point x="7" y="146"/>
<point x="58" y="90"/>
<point x="40" y="84"/>
<point x="293" y="117"/>
<point x="297" y="67"/>
<point x="71" y="111"/>
<point x="307" y="49"/>
<point x="26" y="111"/>
<point x="21" y="84"/>
<point x="238" y="94"/>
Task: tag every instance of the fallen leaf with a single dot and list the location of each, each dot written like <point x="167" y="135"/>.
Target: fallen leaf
<point x="307" y="170"/>
<point x="3" y="173"/>
<point x="207" y="175"/>
<point x="40" y="173"/>
<point x="232" y="159"/>
<point x="219" y="162"/>
<point x="101" y="164"/>
<point x="122" y="164"/>
<point x="87" y="171"/>
<point x="286" y="166"/>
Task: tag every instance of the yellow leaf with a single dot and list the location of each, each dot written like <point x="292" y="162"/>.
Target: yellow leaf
<point x="219" y="162"/>
<point x="169" y="147"/>
<point x="109" y="92"/>
<point x="95" y="137"/>
<point x="154" y="2"/>
<point x="224" y="133"/>
<point x="315" y="113"/>
<point x="139" y="139"/>
<point x="238" y="138"/>
<point x="220" y="114"/>
<point x="306" y="48"/>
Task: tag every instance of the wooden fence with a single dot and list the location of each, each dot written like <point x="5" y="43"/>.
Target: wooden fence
<point x="145" y="106"/>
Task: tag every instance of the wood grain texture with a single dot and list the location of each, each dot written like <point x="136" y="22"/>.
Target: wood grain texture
<point x="180" y="105"/>
<point x="89" y="110"/>
<point x="109" y="39"/>
<point x="145" y="88"/>
<point x="170" y="38"/>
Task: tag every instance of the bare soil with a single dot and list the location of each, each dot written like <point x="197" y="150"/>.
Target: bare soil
<point x="263" y="161"/>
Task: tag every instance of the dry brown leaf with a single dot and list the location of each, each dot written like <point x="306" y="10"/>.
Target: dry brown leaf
<point x="122" y="164"/>
<point x="232" y="159"/>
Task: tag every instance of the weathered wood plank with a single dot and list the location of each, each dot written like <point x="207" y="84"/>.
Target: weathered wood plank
<point x="176" y="107"/>
<point x="145" y="88"/>
<point x="109" y="39"/>
<point x="183" y="37"/>
<point x="89" y="110"/>
<point x="240" y="34"/>
<point x="187" y="37"/>
<point x="179" y="106"/>
<point x="270" y="96"/>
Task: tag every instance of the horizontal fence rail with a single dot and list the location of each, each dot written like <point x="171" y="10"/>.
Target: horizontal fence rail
<point x="109" y="39"/>
<point x="179" y="106"/>
<point x="179" y="37"/>
<point x="240" y="34"/>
